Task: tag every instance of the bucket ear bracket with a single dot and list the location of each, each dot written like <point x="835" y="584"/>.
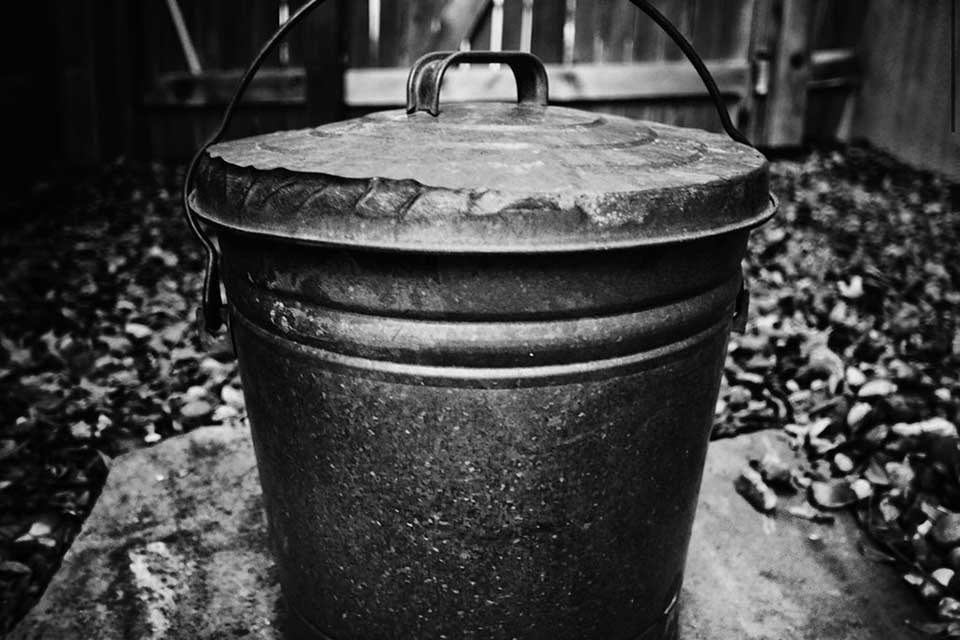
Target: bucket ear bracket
<point x="742" y="308"/>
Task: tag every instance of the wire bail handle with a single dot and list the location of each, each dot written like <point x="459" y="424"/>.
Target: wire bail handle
<point x="423" y="93"/>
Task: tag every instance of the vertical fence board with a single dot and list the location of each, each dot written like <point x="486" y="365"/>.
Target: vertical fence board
<point x="205" y="22"/>
<point x="904" y="104"/>
<point x="246" y="27"/>
<point x="394" y="22"/>
<point x="762" y="45"/>
<point x="358" y="34"/>
<point x="423" y="28"/>
<point x="834" y="24"/>
<point x="912" y="78"/>
<point x="837" y="24"/>
<point x="722" y="29"/>
<point x="616" y="24"/>
<point x="117" y="59"/>
<point x="481" y="37"/>
<point x="512" y="19"/>
<point x="321" y="40"/>
<point x="548" y="18"/>
<point x="791" y="71"/>
<point x="683" y="14"/>
<point x="652" y="43"/>
<point x="883" y="66"/>
<point x="77" y="81"/>
<point x="781" y="43"/>
<point x="649" y="40"/>
<point x="584" y="42"/>
<point x="456" y="18"/>
<point x="159" y="40"/>
<point x="226" y="34"/>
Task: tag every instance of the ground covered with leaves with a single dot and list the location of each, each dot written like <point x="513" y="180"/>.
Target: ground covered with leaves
<point x="853" y="349"/>
<point x="99" y="280"/>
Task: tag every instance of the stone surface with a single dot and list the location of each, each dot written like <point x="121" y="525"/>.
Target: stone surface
<point x="177" y="548"/>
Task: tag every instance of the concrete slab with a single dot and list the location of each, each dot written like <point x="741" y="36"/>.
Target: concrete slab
<point x="177" y="548"/>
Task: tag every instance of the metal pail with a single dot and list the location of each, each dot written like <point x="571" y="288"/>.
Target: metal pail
<point x="481" y="346"/>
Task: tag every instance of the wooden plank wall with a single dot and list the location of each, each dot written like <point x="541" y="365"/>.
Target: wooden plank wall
<point x="571" y="32"/>
<point x="227" y="35"/>
<point x="904" y="105"/>
<point x="36" y="134"/>
<point x="122" y="66"/>
<point x="835" y="26"/>
<point x="104" y="60"/>
<point x="796" y="36"/>
<point x="68" y="74"/>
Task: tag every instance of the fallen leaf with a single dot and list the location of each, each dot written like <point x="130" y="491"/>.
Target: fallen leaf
<point x="948" y="608"/>
<point x="233" y="396"/>
<point x="858" y="414"/>
<point x="807" y="512"/>
<point x="938" y="427"/>
<point x="138" y="331"/>
<point x="877" y="389"/>
<point x="755" y="491"/>
<point x="946" y="530"/>
<point x="196" y="410"/>
<point x="943" y="575"/>
<point x="11" y="566"/>
<point x="836" y="494"/>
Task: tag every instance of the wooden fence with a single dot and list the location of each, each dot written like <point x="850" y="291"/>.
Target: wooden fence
<point x="905" y="103"/>
<point x="601" y="54"/>
<point x="790" y="69"/>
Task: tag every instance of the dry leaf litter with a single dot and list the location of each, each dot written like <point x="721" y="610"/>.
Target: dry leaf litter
<point x="99" y="280"/>
<point x="853" y="349"/>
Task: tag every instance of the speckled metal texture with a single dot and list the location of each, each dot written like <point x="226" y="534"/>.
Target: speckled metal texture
<point x="481" y="446"/>
<point x="485" y="178"/>
<point x="481" y="353"/>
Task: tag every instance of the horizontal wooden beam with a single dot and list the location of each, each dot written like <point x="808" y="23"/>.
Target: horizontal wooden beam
<point x="832" y="68"/>
<point x="568" y="83"/>
<point x="386" y="87"/>
<point x="286" y="86"/>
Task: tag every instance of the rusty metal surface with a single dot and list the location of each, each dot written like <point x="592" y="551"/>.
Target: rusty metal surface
<point x="485" y="178"/>
<point x="479" y="446"/>
<point x="403" y="509"/>
<point x="489" y="311"/>
<point x="481" y="353"/>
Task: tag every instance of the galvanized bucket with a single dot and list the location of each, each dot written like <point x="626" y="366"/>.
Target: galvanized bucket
<point x="481" y="346"/>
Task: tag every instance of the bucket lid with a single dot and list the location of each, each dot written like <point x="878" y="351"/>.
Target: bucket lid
<point x="485" y="177"/>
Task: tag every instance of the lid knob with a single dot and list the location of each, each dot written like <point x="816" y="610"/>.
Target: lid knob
<point x="426" y="77"/>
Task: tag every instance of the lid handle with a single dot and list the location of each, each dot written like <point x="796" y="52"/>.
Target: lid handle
<point x="426" y="77"/>
<point x="423" y="93"/>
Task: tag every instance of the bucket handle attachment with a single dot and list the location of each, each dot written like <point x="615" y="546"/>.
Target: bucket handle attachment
<point x="210" y="317"/>
<point x="426" y="77"/>
<point x="423" y="93"/>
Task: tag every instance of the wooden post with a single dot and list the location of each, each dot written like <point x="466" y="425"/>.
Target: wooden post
<point x="322" y="39"/>
<point x="780" y="56"/>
